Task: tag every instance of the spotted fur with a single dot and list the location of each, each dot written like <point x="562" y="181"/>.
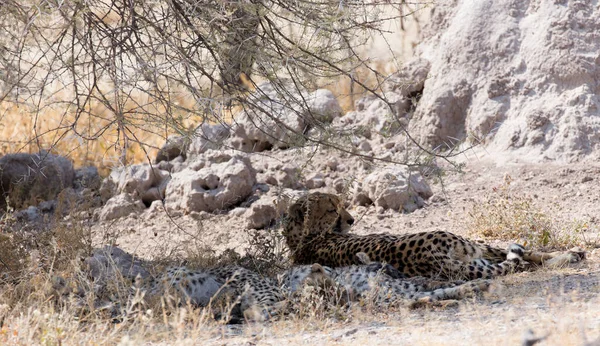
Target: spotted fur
<point x="317" y="231"/>
<point x="366" y="281"/>
<point x="259" y="297"/>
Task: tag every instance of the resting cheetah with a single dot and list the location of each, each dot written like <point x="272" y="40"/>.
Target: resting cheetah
<point x="259" y="297"/>
<point x="373" y="281"/>
<point x="316" y="231"/>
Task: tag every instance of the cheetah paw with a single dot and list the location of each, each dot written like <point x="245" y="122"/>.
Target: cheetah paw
<point x="426" y="302"/>
<point x="577" y="254"/>
<point x="481" y="285"/>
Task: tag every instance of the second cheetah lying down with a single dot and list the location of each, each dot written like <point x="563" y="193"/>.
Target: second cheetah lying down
<point x="261" y="297"/>
<point x="381" y="284"/>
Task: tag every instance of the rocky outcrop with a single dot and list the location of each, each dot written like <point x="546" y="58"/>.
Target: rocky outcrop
<point x="387" y="114"/>
<point x="521" y="77"/>
<point x="119" y="206"/>
<point x="175" y="146"/>
<point x="27" y="178"/>
<point x="214" y="183"/>
<point x="87" y="178"/>
<point x="394" y="188"/>
<point x="207" y="137"/>
<point x="261" y="213"/>
<point x="275" y="118"/>
<point x="143" y="182"/>
<point x="110" y="262"/>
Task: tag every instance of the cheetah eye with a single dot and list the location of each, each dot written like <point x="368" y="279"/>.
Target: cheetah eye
<point x="332" y="211"/>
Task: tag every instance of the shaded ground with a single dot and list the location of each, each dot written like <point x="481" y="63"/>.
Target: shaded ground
<point x="561" y="303"/>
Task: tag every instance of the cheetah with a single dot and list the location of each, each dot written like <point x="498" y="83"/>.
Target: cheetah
<point x="259" y="297"/>
<point x="252" y="296"/>
<point x="317" y="231"/>
<point x="383" y="286"/>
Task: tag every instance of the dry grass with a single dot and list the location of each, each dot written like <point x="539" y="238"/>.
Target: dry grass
<point x="505" y="214"/>
<point x="348" y="91"/>
<point x="47" y="298"/>
<point x="38" y="308"/>
<point x="471" y="323"/>
<point x="24" y="130"/>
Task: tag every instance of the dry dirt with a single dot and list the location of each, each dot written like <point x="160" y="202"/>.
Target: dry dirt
<point x="561" y="303"/>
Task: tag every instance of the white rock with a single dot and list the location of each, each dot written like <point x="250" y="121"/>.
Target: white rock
<point x="110" y="262"/>
<point x="340" y="185"/>
<point x="314" y="181"/>
<point x="375" y="117"/>
<point x="213" y="187"/>
<point x="268" y="121"/>
<point x="332" y="163"/>
<point x="261" y="213"/>
<point x="394" y="188"/>
<point x="323" y="106"/>
<point x="239" y="211"/>
<point x="365" y="146"/>
<point x="207" y="136"/>
<point x="518" y="75"/>
<point x="142" y="181"/>
<point x="175" y="146"/>
<point x="278" y="119"/>
<point x="119" y="206"/>
<point x="289" y="176"/>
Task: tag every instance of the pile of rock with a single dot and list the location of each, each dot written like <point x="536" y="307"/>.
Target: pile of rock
<point x="224" y="169"/>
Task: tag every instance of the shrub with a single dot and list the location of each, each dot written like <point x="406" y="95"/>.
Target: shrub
<point x="508" y="215"/>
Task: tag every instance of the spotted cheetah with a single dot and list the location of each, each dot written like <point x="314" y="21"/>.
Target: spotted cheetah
<point x="371" y="280"/>
<point x="259" y="297"/>
<point x="317" y="231"/>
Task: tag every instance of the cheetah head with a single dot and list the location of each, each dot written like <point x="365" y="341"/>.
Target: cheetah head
<point x="316" y="213"/>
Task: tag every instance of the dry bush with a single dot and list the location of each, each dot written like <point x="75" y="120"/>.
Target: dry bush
<point x="13" y="257"/>
<point x="28" y="132"/>
<point x="507" y="215"/>
<point x="106" y="82"/>
<point x="267" y="252"/>
<point x="51" y="299"/>
<point x="319" y="301"/>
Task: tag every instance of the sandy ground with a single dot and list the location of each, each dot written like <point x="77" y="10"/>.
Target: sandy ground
<point x="562" y="304"/>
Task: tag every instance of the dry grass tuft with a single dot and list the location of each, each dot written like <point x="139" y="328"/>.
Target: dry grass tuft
<point x="348" y="91"/>
<point x="508" y="215"/>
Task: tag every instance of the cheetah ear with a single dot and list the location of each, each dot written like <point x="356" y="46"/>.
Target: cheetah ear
<point x="317" y="269"/>
<point x="296" y="212"/>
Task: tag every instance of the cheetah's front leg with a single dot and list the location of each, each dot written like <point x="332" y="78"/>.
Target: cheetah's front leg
<point x="555" y="259"/>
